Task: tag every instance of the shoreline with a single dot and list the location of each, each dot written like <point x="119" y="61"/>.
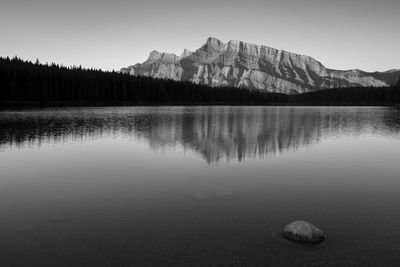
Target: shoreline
<point x="18" y="105"/>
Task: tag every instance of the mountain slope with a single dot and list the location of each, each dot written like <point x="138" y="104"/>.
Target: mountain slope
<point x="252" y="66"/>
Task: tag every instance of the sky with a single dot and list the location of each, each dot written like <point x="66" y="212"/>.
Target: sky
<point x="341" y="34"/>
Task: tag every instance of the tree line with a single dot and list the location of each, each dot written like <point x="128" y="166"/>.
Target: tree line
<point x="23" y="83"/>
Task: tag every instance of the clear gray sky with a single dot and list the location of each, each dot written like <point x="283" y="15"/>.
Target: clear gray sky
<point x="342" y="34"/>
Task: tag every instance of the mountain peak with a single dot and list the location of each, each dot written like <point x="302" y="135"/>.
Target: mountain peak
<point x="246" y="65"/>
<point x="155" y="55"/>
<point x="186" y="53"/>
<point x="213" y="39"/>
<point x="214" y="43"/>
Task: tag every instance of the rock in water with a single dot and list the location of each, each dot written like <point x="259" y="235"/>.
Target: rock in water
<point x="225" y="195"/>
<point x="304" y="232"/>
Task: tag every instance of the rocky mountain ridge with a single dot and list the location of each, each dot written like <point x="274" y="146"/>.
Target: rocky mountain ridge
<point x="258" y="67"/>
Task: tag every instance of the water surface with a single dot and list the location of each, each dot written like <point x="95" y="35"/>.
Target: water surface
<point x="198" y="186"/>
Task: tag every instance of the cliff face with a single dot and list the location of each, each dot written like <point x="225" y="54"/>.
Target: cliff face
<point x="257" y="67"/>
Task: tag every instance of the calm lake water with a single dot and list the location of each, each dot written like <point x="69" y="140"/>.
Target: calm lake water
<point x="198" y="186"/>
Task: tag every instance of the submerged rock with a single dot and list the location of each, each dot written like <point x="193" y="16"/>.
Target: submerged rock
<point x="304" y="232"/>
<point x="59" y="219"/>
<point x="226" y="195"/>
<point x="28" y="228"/>
<point x="199" y="196"/>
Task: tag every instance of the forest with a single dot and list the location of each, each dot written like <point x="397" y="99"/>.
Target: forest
<point x="24" y="84"/>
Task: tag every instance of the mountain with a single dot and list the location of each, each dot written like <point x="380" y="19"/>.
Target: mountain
<point x="240" y="64"/>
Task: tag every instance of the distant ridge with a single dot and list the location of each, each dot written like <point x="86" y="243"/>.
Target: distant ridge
<point x="244" y="65"/>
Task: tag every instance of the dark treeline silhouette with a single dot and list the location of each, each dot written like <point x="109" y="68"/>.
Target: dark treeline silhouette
<point x="26" y="83"/>
<point x="357" y="96"/>
<point x="23" y="83"/>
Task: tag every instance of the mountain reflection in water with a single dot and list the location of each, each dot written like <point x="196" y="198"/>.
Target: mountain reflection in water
<point x="216" y="133"/>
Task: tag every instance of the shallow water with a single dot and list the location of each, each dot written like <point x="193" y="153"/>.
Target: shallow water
<point x="198" y="186"/>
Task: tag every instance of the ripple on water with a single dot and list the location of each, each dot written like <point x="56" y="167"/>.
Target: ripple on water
<point x="28" y="228"/>
<point x="60" y="219"/>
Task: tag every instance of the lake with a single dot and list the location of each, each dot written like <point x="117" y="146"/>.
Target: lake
<point x="198" y="186"/>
